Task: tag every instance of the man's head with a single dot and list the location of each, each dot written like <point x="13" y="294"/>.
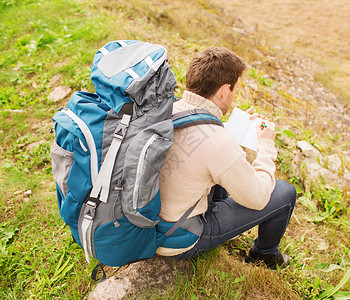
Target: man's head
<point x="212" y="69"/>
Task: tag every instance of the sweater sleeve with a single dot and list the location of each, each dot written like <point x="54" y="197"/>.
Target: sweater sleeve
<point x="250" y="185"/>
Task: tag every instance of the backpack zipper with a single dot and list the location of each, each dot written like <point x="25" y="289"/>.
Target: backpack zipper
<point x="139" y="169"/>
<point x="89" y="139"/>
<point x="118" y="188"/>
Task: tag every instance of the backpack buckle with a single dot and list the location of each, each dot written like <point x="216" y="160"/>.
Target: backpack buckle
<point x="119" y="133"/>
<point x="123" y="124"/>
<point x="90" y="210"/>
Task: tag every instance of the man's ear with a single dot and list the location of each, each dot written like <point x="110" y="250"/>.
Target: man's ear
<point x="223" y="90"/>
<point x="220" y="94"/>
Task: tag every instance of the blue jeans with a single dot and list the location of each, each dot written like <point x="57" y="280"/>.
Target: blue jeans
<point x="232" y="219"/>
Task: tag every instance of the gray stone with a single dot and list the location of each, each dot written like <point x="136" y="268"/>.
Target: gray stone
<point x="313" y="171"/>
<point x="156" y="274"/>
<point x="55" y="79"/>
<point x="346" y="175"/>
<point x="59" y="93"/>
<point x="333" y="162"/>
<point x="34" y="145"/>
<point x="307" y="149"/>
<point x="253" y="86"/>
<point x="279" y="48"/>
<point x="14" y="110"/>
<point x="27" y="193"/>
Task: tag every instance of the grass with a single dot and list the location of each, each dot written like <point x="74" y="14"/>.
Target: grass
<point x="212" y="280"/>
<point x="42" y="39"/>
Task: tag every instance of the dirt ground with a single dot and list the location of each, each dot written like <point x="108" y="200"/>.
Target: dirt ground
<point x="319" y="29"/>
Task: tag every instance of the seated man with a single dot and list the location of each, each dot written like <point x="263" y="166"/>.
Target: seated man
<point x="207" y="155"/>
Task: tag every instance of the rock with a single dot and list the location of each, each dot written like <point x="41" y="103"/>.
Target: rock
<point x="55" y="79"/>
<point x="333" y="162"/>
<point x="253" y="86"/>
<point x="59" y="93"/>
<point x="307" y="149"/>
<point x="17" y="68"/>
<point x="156" y="274"/>
<point x="239" y="30"/>
<point x="311" y="167"/>
<point x="34" y="145"/>
<point x="14" y="110"/>
<point x="27" y="193"/>
<point x="279" y="48"/>
<point x="346" y="175"/>
<point x="312" y="171"/>
<point x="322" y="246"/>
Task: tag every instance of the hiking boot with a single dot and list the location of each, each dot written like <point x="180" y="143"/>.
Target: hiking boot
<point x="270" y="260"/>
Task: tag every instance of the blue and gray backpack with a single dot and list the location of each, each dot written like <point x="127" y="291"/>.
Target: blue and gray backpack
<point x="108" y="151"/>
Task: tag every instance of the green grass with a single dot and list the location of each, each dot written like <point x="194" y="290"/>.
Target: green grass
<point x="41" y="39"/>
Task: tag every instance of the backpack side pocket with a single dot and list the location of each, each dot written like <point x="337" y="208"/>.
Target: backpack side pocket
<point x="62" y="161"/>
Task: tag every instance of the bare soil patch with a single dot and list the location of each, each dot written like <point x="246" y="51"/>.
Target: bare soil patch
<point x="319" y="29"/>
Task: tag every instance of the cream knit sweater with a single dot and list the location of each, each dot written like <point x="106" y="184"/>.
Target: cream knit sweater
<point x="205" y="155"/>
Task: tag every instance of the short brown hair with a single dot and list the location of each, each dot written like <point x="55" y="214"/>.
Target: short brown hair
<point x="211" y="69"/>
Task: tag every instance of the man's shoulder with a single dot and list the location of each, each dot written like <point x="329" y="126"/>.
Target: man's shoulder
<point x="216" y="133"/>
<point x="206" y="137"/>
<point x="180" y="106"/>
<point x="210" y="132"/>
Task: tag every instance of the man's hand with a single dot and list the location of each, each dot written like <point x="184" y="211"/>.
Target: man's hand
<point x="249" y="111"/>
<point x="265" y="129"/>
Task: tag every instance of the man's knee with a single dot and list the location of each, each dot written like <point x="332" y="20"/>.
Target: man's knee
<point x="286" y="190"/>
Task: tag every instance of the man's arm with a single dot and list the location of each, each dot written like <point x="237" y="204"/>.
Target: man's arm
<point x="249" y="185"/>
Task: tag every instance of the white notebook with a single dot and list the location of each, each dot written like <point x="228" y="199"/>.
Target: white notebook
<point x="243" y="129"/>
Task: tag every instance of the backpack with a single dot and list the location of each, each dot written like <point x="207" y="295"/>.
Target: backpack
<point x="108" y="150"/>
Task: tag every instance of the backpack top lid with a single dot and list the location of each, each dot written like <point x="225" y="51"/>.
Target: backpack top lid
<point x="121" y="71"/>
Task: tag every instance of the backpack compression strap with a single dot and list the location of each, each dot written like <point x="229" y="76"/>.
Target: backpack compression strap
<point x="100" y="189"/>
<point x="103" y="179"/>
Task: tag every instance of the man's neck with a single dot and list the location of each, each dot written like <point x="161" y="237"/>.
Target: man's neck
<point x="199" y="101"/>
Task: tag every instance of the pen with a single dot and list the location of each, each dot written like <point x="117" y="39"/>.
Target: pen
<point x="264" y="125"/>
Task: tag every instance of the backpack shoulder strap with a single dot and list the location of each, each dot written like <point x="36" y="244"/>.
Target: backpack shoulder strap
<point x="186" y="119"/>
<point x="194" y="117"/>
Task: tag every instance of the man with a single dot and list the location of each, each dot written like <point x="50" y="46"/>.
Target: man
<point x="206" y="155"/>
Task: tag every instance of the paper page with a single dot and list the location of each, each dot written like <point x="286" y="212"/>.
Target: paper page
<point x="251" y="139"/>
<point x="243" y="129"/>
